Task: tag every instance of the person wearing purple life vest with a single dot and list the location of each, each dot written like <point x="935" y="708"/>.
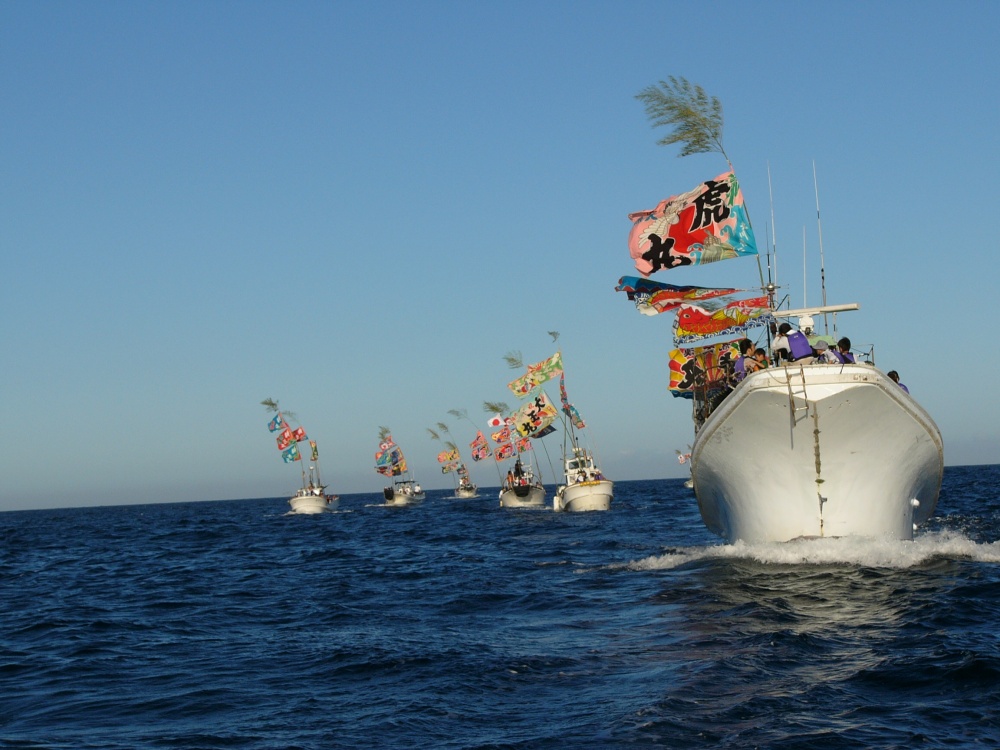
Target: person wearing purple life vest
<point x="791" y="345"/>
<point x="746" y="363"/>
<point x="894" y="377"/>
<point x="843" y="351"/>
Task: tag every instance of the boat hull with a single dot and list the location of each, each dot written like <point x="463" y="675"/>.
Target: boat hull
<point x="467" y="492"/>
<point x="526" y="496"/>
<point x="584" y="496"/>
<point x="817" y="451"/>
<point x="308" y="504"/>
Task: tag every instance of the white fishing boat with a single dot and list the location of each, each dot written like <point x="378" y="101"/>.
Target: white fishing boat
<point x="390" y="462"/>
<point x="817" y="450"/>
<point x="800" y="449"/>
<point x="521" y="488"/>
<point x="403" y="492"/>
<point x="466" y="489"/>
<point x="311" y="497"/>
<point x="585" y="488"/>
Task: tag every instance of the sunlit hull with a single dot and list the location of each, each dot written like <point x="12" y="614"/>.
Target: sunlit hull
<point x="584" y="496"/>
<point x="526" y="496"/>
<point x="817" y="451"/>
<point x="307" y="503"/>
<point x="467" y="492"/>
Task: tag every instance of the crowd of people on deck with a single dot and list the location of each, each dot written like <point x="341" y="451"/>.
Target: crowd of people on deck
<point x="790" y="345"/>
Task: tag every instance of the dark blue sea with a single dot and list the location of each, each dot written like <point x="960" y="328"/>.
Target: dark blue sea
<point x="458" y="624"/>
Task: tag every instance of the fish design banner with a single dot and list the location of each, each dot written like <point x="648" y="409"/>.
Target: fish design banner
<point x="702" y="368"/>
<point x="704" y="225"/>
<point x="655" y="297"/>
<point x="480" y="448"/>
<point x="693" y="323"/>
<point x="537" y="374"/>
<point x="447" y="456"/>
<point x="503" y="452"/>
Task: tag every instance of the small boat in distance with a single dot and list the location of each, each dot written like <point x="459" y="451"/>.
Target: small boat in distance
<point x="586" y="487"/>
<point x="466" y="489"/>
<point x="452" y="463"/>
<point x="521" y="489"/>
<point x="311" y="498"/>
<point x="390" y="462"/>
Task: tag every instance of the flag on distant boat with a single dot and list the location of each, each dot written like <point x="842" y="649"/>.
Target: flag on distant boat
<point x="537" y="374"/>
<point x="291" y="454"/>
<point x="315" y="450"/>
<point x="285" y="439"/>
<point x="523" y="444"/>
<point x="299" y="434"/>
<point x="693" y="323"/>
<point x="480" y="448"/>
<point x="503" y="452"/>
<point x="655" y="297"/>
<point x="501" y="436"/>
<point x="567" y="407"/>
<point x="704" y="225"/>
<point x="276" y="424"/>
<point x="446" y="456"/>
<point x="496" y="421"/>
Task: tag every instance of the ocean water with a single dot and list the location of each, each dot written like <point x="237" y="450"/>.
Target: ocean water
<point x="458" y="624"/>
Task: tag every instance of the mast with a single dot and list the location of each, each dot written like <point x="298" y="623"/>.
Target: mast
<point x="822" y="264"/>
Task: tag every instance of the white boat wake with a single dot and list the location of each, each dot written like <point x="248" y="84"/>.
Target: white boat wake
<point x="893" y="554"/>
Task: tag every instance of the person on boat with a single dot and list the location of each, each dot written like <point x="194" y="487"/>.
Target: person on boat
<point x="760" y="357"/>
<point x="894" y="377"/>
<point x="843" y="352"/>
<point x="746" y="363"/>
<point x="791" y="345"/>
<point x="823" y="354"/>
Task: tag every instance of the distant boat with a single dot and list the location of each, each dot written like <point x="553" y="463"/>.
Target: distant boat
<point x="521" y="488"/>
<point x="390" y="462"/>
<point x="466" y="488"/>
<point x="452" y="463"/>
<point x="311" y="497"/>
<point x="586" y="488"/>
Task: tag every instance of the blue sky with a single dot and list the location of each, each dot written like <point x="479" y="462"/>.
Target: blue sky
<point x="359" y="208"/>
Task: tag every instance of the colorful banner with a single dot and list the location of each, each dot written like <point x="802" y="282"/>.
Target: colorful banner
<point x="285" y="439"/>
<point x="480" y="448"/>
<point x="498" y="420"/>
<point x="450" y="467"/>
<point x="276" y="424"/>
<point x="693" y="323"/>
<point x="537" y="374"/>
<point x="703" y="368"/>
<point x="568" y="409"/>
<point x="299" y="434"/>
<point x="655" y="297"/>
<point x="446" y="456"/>
<point x="704" y="225"/>
<point x="501" y="436"/>
<point x="522" y="445"/>
<point x="503" y="452"/>
<point x="315" y="450"/>
<point x="535" y="415"/>
<point x="292" y="454"/>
